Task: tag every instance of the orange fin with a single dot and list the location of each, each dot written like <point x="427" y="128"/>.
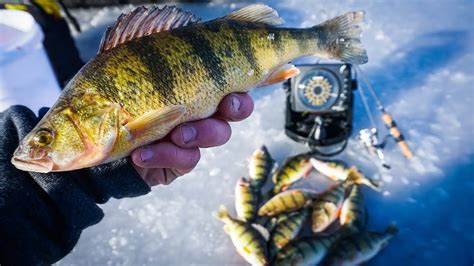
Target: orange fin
<point x="155" y="120"/>
<point x="144" y="21"/>
<point x="280" y="74"/>
<point x="307" y="172"/>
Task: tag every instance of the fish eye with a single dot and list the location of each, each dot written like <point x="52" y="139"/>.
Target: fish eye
<point x="43" y="137"/>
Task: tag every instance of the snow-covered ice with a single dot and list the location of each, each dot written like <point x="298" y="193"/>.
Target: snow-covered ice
<point x="421" y="63"/>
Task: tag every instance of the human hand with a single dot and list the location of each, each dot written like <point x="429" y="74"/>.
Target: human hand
<point x="178" y="153"/>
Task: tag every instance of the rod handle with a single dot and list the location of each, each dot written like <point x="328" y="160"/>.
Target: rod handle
<point x="397" y="135"/>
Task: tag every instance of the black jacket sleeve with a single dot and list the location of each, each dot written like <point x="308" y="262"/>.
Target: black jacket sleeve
<point x="42" y="215"/>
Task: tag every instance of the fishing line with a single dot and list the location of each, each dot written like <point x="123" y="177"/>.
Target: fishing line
<point x="364" y="100"/>
<point x="378" y="102"/>
<point x="387" y="119"/>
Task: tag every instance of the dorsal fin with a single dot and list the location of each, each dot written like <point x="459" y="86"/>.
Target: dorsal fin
<point x="144" y="21"/>
<point x="257" y="13"/>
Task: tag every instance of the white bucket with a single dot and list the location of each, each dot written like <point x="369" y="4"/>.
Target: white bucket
<point x="26" y="76"/>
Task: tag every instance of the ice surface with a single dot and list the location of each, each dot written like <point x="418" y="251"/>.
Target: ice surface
<point x="421" y="62"/>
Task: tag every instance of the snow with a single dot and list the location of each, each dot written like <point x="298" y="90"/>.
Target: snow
<point x="421" y="59"/>
<point x="21" y="51"/>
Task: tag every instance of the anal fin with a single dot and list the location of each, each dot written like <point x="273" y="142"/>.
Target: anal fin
<point x="155" y="120"/>
<point x="280" y="74"/>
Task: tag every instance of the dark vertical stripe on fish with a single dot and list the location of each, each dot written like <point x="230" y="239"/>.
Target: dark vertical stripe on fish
<point x="108" y="88"/>
<point x="277" y="40"/>
<point x="284" y="225"/>
<point x="203" y="49"/>
<point x="244" y="43"/>
<point x="280" y="234"/>
<point x="295" y="202"/>
<point x="282" y="202"/>
<point x="301" y="38"/>
<point x="158" y="66"/>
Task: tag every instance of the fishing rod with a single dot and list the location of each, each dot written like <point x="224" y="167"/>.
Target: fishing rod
<point x="368" y="137"/>
<point x="387" y="118"/>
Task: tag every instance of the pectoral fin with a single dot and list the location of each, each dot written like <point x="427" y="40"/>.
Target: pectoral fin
<point x="155" y="120"/>
<point x="280" y="74"/>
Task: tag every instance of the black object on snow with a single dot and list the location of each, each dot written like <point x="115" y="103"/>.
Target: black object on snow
<point x="43" y="215"/>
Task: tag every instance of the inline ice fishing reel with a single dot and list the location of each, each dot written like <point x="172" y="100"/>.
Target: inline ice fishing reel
<point x="369" y="137"/>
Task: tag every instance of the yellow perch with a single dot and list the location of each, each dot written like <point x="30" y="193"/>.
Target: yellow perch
<point x="287" y="229"/>
<point x="159" y="67"/>
<point x="260" y="166"/>
<point x="326" y="208"/>
<point x="287" y="201"/>
<point x="359" y="248"/>
<point x="246" y="200"/>
<point x="247" y="240"/>
<point x="306" y="251"/>
<point x="353" y="212"/>
<point x="293" y="169"/>
<point x="338" y="171"/>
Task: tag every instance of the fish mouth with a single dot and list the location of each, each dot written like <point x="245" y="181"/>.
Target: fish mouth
<point x="41" y="165"/>
<point x="37" y="161"/>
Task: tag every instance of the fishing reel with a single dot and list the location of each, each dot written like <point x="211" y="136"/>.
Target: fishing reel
<point x="319" y="106"/>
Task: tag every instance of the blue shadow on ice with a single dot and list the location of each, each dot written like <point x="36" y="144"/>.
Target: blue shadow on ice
<point x="412" y="63"/>
<point x="435" y="221"/>
<point x="438" y="214"/>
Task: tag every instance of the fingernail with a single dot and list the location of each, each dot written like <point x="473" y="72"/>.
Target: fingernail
<point x="146" y="154"/>
<point x="188" y="133"/>
<point x="235" y="103"/>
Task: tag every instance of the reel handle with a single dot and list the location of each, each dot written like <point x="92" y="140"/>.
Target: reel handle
<point x="397" y="135"/>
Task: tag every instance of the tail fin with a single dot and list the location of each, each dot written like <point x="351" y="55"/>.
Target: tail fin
<point x="222" y="214"/>
<point x="342" y="37"/>
<point x="391" y="230"/>
<point x="358" y="178"/>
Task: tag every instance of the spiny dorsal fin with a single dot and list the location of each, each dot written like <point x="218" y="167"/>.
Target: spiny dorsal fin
<point x="257" y="13"/>
<point x="144" y="21"/>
